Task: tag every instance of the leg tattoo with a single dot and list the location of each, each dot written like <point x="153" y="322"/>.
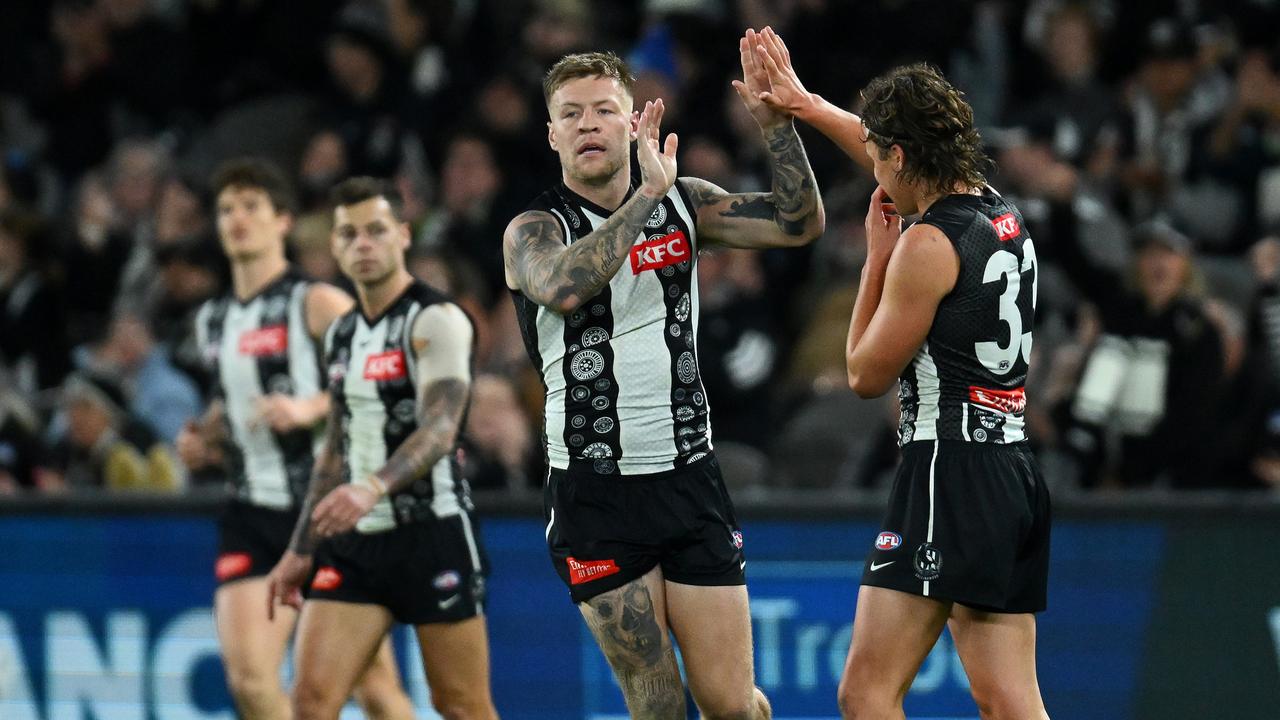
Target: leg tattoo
<point x="639" y="651"/>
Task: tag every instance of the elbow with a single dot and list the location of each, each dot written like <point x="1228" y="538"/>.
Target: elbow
<point x="864" y="385"/>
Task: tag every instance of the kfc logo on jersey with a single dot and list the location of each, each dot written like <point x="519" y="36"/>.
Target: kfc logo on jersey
<point x="1011" y="402"/>
<point x="581" y="571"/>
<point x="230" y="565"/>
<point x="327" y="578"/>
<point x="272" y="340"/>
<point x="1007" y="227"/>
<point x="384" y="366"/>
<point x="888" y="541"/>
<point x="660" y="252"/>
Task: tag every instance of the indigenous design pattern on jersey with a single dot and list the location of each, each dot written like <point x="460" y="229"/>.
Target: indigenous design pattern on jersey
<point x="371" y="371"/>
<point x="967" y="382"/>
<point x="252" y="349"/>
<point x="624" y="394"/>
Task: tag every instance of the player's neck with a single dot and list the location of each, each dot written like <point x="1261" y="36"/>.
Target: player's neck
<point x="608" y="195"/>
<point x="252" y="275"/>
<point x="376" y="298"/>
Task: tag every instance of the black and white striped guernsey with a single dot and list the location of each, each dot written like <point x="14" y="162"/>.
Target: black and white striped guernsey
<point x="624" y="394"/>
<point x="967" y="381"/>
<point x="372" y="369"/>
<point x="254" y="348"/>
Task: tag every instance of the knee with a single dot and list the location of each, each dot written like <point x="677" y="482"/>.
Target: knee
<point x="383" y="701"/>
<point x="996" y="702"/>
<point x="859" y="700"/>
<point x="458" y="704"/>
<point x="312" y="701"/>
<point x="254" y="688"/>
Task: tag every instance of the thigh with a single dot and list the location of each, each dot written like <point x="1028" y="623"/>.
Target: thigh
<point x="629" y="624"/>
<point x="251" y="644"/>
<point x="336" y="642"/>
<point x="893" y="632"/>
<point x="599" y="533"/>
<point x="455" y="656"/>
<point x="998" y="651"/>
<point x="717" y="654"/>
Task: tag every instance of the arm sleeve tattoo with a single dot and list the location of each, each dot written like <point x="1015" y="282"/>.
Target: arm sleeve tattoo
<point x="326" y="474"/>
<point x="562" y="278"/>
<point x="790" y="214"/>
<point x="442" y="341"/>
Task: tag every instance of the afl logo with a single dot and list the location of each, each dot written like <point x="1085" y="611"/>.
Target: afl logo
<point x="888" y="541"/>
<point x="587" y="365"/>
<point x="657" y="217"/>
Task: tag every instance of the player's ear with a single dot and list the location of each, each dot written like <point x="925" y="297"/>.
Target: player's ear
<point x="551" y="135"/>
<point x="635" y="124"/>
<point x="899" y="158"/>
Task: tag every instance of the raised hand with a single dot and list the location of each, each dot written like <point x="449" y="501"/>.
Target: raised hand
<point x="883" y="225"/>
<point x="785" y="94"/>
<point x="657" y="160"/>
<point x="756" y="84"/>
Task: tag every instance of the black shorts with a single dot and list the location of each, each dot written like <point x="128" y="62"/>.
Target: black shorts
<point x="967" y="523"/>
<point x="430" y="571"/>
<point x="251" y="540"/>
<point x="604" y="531"/>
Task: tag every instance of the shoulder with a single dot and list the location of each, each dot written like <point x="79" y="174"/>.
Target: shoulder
<point x="533" y="225"/>
<point x="926" y="258"/>
<point x="324" y="304"/>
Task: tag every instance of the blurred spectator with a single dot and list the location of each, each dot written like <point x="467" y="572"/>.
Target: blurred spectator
<point x="1075" y="114"/>
<point x="94" y="256"/>
<point x="20" y="451"/>
<point x="191" y="271"/>
<point x="156" y="393"/>
<point x="736" y="347"/>
<point x="497" y="440"/>
<point x="32" y="344"/>
<point x="469" y="222"/>
<point x="1154" y="370"/>
<point x="95" y="451"/>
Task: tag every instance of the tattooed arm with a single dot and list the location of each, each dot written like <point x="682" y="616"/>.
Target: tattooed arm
<point x="560" y="277"/>
<point x="788" y="95"/>
<point x="789" y="216"/>
<point x="285" y="581"/>
<point x="441" y="340"/>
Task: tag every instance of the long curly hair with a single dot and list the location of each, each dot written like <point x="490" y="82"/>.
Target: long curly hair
<point x="914" y="106"/>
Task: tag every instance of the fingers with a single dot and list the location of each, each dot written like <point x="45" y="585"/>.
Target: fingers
<point x="294" y="599"/>
<point x="767" y="62"/>
<point x="669" y="149"/>
<point x="271" y="599"/>
<point x="878" y="198"/>
<point x="777" y="48"/>
<point x="752" y="64"/>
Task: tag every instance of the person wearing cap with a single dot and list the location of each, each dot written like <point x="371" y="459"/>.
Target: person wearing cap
<point x="1156" y="366"/>
<point x="97" y="453"/>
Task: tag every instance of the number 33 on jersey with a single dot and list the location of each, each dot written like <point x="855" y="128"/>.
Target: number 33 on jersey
<point x="967" y="380"/>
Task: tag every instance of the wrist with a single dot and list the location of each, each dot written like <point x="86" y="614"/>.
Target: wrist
<point x="810" y="105"/>
<point x="378" y="486"/>
<point x="651" y="193"/>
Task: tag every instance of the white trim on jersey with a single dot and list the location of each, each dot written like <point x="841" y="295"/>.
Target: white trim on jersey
<point x="366" y="444"/>
<point x="552" y="350"/>
<point x="444" y="499"/>
<point x="964" y="421"/>
<point x="929" y="394"/>
<point x="688" y="215"/>
<point x="928" y="538"/>
<point x="304" y="366"/>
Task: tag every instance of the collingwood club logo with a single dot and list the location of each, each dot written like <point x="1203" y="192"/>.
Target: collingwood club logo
<point x="928" y="562"/>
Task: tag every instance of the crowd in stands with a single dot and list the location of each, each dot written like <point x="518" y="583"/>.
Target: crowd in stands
<point x="1141" y="140"/>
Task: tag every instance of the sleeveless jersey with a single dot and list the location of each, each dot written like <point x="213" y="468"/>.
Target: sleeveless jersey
<point x="624" y="394"/>
<point x="254" y="348"/>
<point x="967" y="381"/>
<point x="372" y="369"/>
